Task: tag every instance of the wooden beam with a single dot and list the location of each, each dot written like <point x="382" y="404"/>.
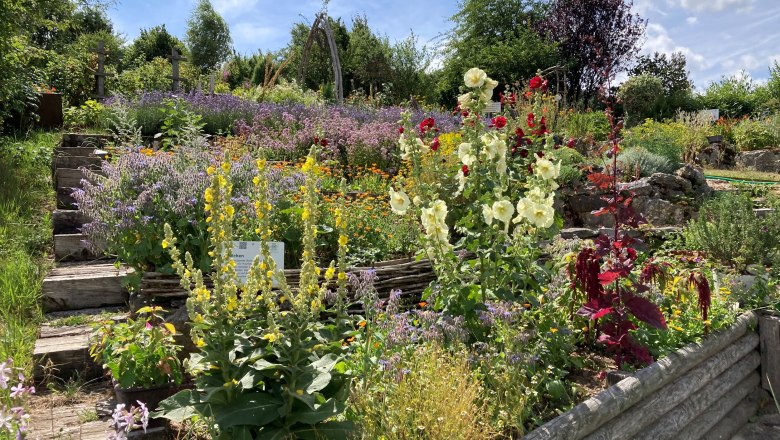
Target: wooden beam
<point x="72" y="247"/>
<point x="769" y="329"/>
<point x="68" y="221"/>
<point x="73" y="287"/>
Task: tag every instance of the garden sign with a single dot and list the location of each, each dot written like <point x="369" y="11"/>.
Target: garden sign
<point x="244" y="253"/>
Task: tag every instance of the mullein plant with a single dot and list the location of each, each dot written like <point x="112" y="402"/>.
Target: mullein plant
<point x="269" y="363"/>
<point x="504" y="201"/>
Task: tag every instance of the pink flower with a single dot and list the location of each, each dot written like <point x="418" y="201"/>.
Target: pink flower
<point x="435" y="144"/>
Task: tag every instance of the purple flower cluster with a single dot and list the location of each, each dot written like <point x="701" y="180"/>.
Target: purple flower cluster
<point x="13" y="418"/>
<point x="124" y="420"/>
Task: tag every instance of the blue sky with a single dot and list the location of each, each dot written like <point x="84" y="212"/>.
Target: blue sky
<point x="718" y="37"/>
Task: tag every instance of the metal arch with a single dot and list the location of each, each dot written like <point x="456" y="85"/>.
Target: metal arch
<point x="321" y="25"/>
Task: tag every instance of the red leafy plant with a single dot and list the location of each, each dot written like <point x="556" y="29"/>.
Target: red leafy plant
<point x="604" y="272"/>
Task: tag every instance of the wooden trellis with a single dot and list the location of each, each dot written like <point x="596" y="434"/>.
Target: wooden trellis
<point x="321" y="27"/>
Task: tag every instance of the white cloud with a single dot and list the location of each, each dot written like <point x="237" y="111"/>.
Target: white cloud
<point x="658" y="40"/>
<point x="717" y="5"/>
<point x="746" y="62"/>
<point x="233" y="7"/>
<point x="692" y="20"/>
<point x="773" y="59"/>
<point x="253" y="32"/>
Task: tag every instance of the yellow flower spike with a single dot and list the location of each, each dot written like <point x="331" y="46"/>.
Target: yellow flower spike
<point x="210" y="170"/>
<point x="226" y="166"/>
<point x="230" y="211"/>
<point x="256" y="180"/>
<point x="270" y="337"/>
<point x="208" y="195"/>
<point x="330" y="273"/>
<point x="342" y="276"/>
<point x="343" y="240"/>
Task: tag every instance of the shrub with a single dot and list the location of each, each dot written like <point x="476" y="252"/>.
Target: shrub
<point x="639" y="160"/>
<point x="661" y="138"/>
<point x="734" y="96"/>
<point x="571" y="163"/>
<point x="431" y="394"/>
<point x="150" y="77"/>
<point x="696" y="127"/>
<point x="729" y="231"/>
<point x="91" y="115"/>
<point x="755" y="134"/>
<point x="589" y="125"/>
<point x="640" y="95"/>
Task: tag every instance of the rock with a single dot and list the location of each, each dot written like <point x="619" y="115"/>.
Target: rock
<point x="718" y="154"/>
<point x="692" y="174"/>
<point x="641" y="187"/>
<point x="670" y="184"/>
<point x="663" y="212"/>
<point x="760" y="160"/>
<point x="583" y="203"/>
<point x="582" y="233"/>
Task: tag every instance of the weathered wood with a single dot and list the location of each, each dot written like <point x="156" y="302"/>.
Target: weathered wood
<point x="735" y="419"/>
<point x="668" y="425"/>
<point x="75" y="162"/>
<point x="69" y="177"/>
<point x="65" y="352"/>
<point x="769" y="329"/>
<point x="65" y="422"/>
<point x="589" y="415"/>
<point x="718" y="410"/>
<point x="652" y="408"/>
<point x="84" y="140"/>
<point x="72" y="287"/>
<point x="74" y="151"/>
<point x="64" y="198"/>
<point x="68" y="221"/>
<point x="72" y="247"/>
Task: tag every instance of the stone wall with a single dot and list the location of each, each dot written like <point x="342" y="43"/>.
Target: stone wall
<point x="760" y="160"/>
<point x="663" y="199"/>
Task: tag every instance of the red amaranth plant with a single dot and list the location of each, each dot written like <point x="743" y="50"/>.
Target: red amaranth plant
<point x="603" y="272"/>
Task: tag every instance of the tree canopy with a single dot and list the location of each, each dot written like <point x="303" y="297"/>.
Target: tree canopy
<point x="208" y="37"/>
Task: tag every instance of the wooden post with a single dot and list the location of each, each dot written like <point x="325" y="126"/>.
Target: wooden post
<point x="175" y="58"/>
<point x="212" y="83"/>
<point x="769" y="332"/>
<point x="100" y="74"/>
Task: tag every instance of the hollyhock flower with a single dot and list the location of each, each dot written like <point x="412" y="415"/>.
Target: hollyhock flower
<point x="570" y="144"/>
<point x="542" y="216"/>
<point x="487" y="214"/>
<point x="401" y="130"/>
<point x="536" y="82"/>
<point x="466" y="154"/>
<point x="503" y="211"/>
<point x="464" y="102"/>
<point x="439" y="210"/>
<point x="464" y="170"/>
<point x="529" y="120"/>
<point x="547" y="170"/>
<point x="523" y="153"/>
<point x="474" y="77"/>
<point x="544" y="86"/>
<point x="486" y="94"/>
<point x="498" y="122"/>
<point x="399" y="201"/>
<point x="435" y="144"/>
<point x="426" y="124"/>
<point x="523" y="207"/>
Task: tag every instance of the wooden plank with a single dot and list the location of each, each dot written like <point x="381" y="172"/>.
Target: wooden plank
<point x="718" y="410"/>
<point x="82" y="287"/>
<point x="669" y="424"/>
<point x="72" y="247"/>
<point x="589" y="415"/>
<point x="68" y="221"/>
<point x="71" y="140"/>
<point x="65" y="352"/>
<point x="64" y="199"/>
<point x="649" y="410"/>
<point x="75" y="162"/>
<point x="75" y="151"/>
<point x="769" y="329"/>
<point x="735" y="419"/>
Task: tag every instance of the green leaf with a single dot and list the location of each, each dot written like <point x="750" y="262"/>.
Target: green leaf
<point x="179" y="407"/>
<point x="330" y="408"/>
<point x="329" y="430"/>
<point x="254" y="409"/>
<point x="273" y="434"/>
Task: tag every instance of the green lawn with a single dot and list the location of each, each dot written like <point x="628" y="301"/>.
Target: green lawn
<point x="757" y="176"/>
<point x="26" y="201"/>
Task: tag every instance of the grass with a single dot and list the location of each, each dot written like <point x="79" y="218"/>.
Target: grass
<point x="26" y="200"/>
<point x="756" y="176"/>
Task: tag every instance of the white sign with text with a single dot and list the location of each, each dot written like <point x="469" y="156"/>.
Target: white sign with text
<point x="244" y="253"/>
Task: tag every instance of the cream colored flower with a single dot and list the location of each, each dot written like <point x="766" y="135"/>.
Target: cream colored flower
<point x="503" y="210"/>
<point x="546" y="169"/>
<point x="399" y="201"/>
<point x="465" y="100"/>
<point x="466" y="154"/>
<point x="524" y="206"/>
<point x="461" y="182"/>
<point x="475" y="77"/>
<point x="439" y="210"/>
<point x="416" y="200"/>
<point x="487" y="214"/>
<point x="542" y="216"/>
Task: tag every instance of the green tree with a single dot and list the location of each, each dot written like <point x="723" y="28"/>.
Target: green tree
<point x="319" y="71"/>
<point x="208" y="37"/>
<point x="640" y="95"/>
<point x="734" y="96"/>
<point x="368" y="57"/>
<point x="150" y="44"/>
<point x="677" y="87"/>
<point x="497" y="36"/>
<point x="410" y="65"/>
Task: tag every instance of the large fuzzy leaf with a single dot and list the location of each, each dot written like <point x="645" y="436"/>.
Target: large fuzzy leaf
<point x="254" y="409"/>
<point x="329" y="430"/>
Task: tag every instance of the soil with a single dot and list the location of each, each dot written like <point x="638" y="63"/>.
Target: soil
<point x="591" y="379"/>
<point x="70" y="415"/>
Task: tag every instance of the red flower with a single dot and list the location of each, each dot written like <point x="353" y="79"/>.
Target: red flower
<point x="523" y="153"/>
<point x="498" y="122"/>
<point x="544" y="86"/>
<point x="435" y="144"/>
<point x="536" y="82"/>
<point x="570" y="144"/>
<point x="530" y="120"/>
<point x="324" y="142"/>
<point x="426" y="124"/>
<point x="465" y="169"/>
<point x="540" y="154"/>
<point x="530" y="169"/>
<point x="401" y="130"/>
<point x="511" y="98"/>
<point x="519" y="132"/>
<point x="316" y="140"/>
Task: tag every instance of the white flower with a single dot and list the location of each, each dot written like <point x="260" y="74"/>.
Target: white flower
<point x="421" y="145"/>
<point x="465" y="100"/>
<point x="439" y="210"/>
<point x="503" y="210"/>
<point x="461" y="182"/>
<point x="542" y="216"/>
<point x="524" y="206"/>
<point x="416" y="200"/>
<point x="466" y="154"/>
<point x="537" y="195"/>
<point x="399" y="201"/>
<point x="490" y="84"/>
<point x="501" y="164"/>
<point x="487" y="214"/>
<point x="546" y="169"/>
<point x="475" y="77"/>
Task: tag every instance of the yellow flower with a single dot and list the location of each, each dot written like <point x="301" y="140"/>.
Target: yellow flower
<point x="165" y="244"/>
<point x="208" y="195"/>
<point x="231" y="304"/>
<point x="199" y="342"/>
<point x="210" y="170"/>
<point x="342" y="276"/>
<point x="270" y="337"/>
<point x="330" y="273"/>
<point x="308" y="165"/>
<point x="343" y="239"/>
<point x="553" y="330"/>
<point x="230" y="211"/>
<point x="299" y="392"/>
<point x="256" y="180"/>
<point x="305" y="214"/>
<point x="226" y="166"/>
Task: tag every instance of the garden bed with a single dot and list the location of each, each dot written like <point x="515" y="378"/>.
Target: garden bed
<point x="685" y="395"/>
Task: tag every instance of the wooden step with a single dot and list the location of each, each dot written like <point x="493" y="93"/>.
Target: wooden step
<point x="64" y="352"/>
<point x="80" y="286"/>
<point x="68" y="221"/>
<point x="74" y="151"/>
<point x="75" y="162"/>
<point x="71" y="140"/>
<point x="73" y="247"/>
